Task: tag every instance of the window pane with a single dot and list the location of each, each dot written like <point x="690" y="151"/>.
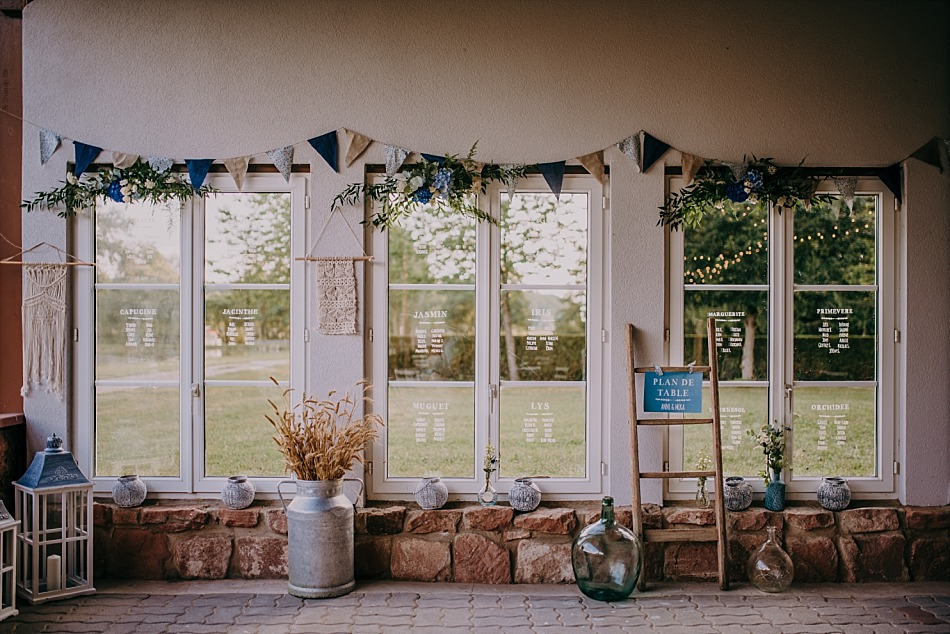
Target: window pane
<point x="543" y="335"/>
<point x="431" y="431"/>
<point x="543" y="431"/>
<point x="834" y="336"/>
<point x="427" y="248"/>
<point x="834" y="246"/>
<point x="247" y="335"/>
<point x="432" y="335"/>
<point x="834" y="431"/>
<point x="740" y="409"/>
<point x="544" y="240"/>
<point x="742" y="332"/>
<point x="137" y="334"/>
<point x="247" y="238"/>
<point x="137" y="431"/>
<point x="137" y="243"/>
<point x="730" y="247"/>
<point x="238" y="439"/>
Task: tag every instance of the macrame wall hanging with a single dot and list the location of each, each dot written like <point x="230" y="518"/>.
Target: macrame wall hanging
<point x="44" y="320"/>
<point x="336" y="287"/>
<point x="44" y="327"/>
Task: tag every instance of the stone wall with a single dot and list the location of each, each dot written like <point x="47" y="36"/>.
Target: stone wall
<point x="472" y="544"/>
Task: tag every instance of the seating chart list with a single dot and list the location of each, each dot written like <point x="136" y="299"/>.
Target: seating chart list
<point x="242" y="326"/>
<point x="541" y="330"/>
<point x="429" y="422"/>
<point x="728" y="330"/>
<point x="835" y="324"/>
<point x="139" y="327"/>
<point x="538" y="423"/>
<point x="430" y="331"/>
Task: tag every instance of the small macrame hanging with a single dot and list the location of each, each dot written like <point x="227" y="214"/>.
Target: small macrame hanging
<point x="336" y="280"/>
<point x="44" y="327"/>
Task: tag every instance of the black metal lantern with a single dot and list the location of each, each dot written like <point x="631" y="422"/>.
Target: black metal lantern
<point x="54" y="504"/>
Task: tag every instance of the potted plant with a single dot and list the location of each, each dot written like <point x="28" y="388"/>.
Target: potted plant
<point x="320" y="441"/>
<point x="772" y="440"/>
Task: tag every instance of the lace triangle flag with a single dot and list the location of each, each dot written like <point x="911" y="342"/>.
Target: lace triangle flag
<point x="631" y="148"/>
<point x="49" y="143"/>
<point x="395" y="157"/>
<point x="283" y="159"/>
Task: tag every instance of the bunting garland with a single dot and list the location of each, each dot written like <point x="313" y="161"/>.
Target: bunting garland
<point x="642" y="148"/>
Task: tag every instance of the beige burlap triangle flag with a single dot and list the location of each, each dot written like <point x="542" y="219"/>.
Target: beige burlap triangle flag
<point x="122" y="160"/>
<point x="356" y="145"/>
<point x="691" y="164"/>
<point x="237" y="168"/>
<point x="594" y="163"/>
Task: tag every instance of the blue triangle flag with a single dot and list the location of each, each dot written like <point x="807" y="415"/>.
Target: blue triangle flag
<point x="432" y="158"/>
<point x="553" y="174"/>
<point x="328" y="147"/>
<point x="197" y="171"/>
<point x="653" y="149"/>
<point x="85" y="155"/>
<point x="892" y="178"/>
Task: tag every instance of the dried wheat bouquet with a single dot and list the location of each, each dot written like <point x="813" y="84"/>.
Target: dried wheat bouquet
<point x="321" y="439"/>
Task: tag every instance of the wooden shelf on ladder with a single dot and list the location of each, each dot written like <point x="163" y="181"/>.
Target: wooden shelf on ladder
<point x="716" y="534"/>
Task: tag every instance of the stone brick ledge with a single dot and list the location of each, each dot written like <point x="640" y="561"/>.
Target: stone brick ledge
<point x="167" y="539"/>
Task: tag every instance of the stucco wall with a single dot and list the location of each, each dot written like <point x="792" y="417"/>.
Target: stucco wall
<point x="531" y="81"/>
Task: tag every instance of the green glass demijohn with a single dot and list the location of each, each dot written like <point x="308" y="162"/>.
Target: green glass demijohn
<point x="606" y="557"/>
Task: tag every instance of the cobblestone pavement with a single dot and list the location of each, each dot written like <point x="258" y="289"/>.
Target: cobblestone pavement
<point x="445" y="608"/>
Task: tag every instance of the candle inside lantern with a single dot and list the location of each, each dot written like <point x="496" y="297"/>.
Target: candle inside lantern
<point x="53" y="580"/>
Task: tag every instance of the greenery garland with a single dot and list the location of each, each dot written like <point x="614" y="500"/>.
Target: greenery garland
<point x="445" y="185"/>
<point x="138" y="182"/>
<point x="760" y="181"/>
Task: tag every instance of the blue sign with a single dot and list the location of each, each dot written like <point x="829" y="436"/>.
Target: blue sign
<point x="673" y="392"/>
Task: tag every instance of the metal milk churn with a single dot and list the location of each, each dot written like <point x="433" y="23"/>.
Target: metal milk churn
<point x="319" y="539"/>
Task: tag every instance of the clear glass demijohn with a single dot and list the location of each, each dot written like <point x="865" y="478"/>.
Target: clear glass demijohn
<point x="770" y="568"/>
<point x="606" y="557"/>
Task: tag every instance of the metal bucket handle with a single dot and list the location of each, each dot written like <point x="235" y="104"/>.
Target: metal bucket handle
<point x="280" y="495"/>
<point x="294" y="482"/>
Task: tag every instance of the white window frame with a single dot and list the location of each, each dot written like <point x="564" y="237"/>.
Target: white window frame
<point x="191" y="479"/>
<point x="781" y="275"/>
<point x="487" y="361"/>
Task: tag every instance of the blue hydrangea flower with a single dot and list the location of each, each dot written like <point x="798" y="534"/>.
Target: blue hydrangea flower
<point x="115" y="191"/>
<point x="753" y="179"/>
<point x="422" y="195"/>
<point x="442" y="179"/>
<point x="736" y="192"/>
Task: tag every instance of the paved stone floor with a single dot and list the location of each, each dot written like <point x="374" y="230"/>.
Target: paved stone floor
<point x="264" y="607"/>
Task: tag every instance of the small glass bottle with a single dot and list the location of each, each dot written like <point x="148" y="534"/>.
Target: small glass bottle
<point x="770" y="568"/>
<point x="606" y="557"/>
<point x="487" y="496"/>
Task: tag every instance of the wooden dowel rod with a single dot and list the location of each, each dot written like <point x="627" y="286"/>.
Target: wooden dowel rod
<point x="675" y="368"/>
<point x="675" y="421"/>
<point x="355" y="258"/>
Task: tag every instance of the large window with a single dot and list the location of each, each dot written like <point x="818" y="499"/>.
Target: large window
<point x="804" y="302"/>
<point x="182" y="323"/>
<point x="492" y="333"/>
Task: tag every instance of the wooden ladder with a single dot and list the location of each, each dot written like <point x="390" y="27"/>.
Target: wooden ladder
<point x="716" y="534"/>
